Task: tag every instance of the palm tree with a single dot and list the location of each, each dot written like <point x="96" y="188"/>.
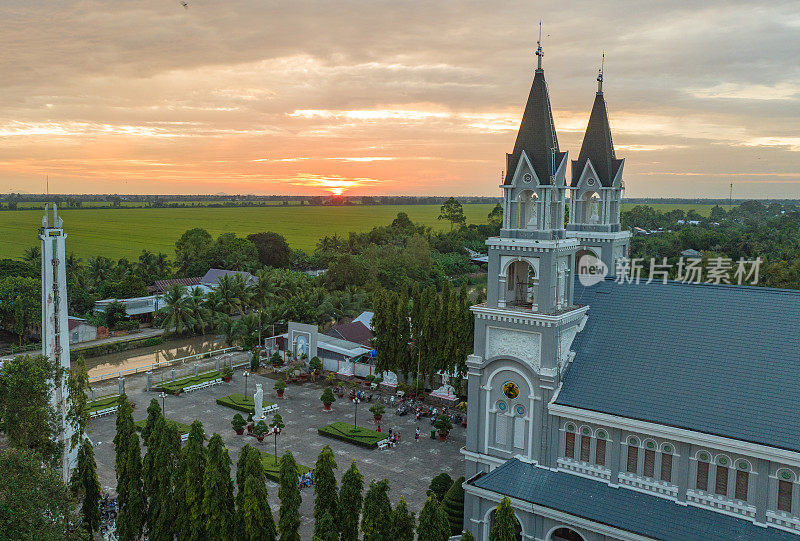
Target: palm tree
<point x="201" y="313"/>
<point x="177" y="312"/>
<point x="227" y="296"/>
<point x="100" y="268"/>
<point x="33" y="256"/>
<point x="231" y="328"/>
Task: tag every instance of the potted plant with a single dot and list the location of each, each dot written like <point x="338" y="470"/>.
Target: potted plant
<point x="227" y="374"/>
<point x="261" y="430"/>
<point x="340" y="389"/>
<point x="330" y="378"/>
<point x="327" y="398"/>
<point x="377" y="381"/>
<point x="275" y="360"/>
<point x="377" y="410"/>
<point x="444" y="426"/>
<point x="238" y="423"/>
<point x="462" y="407"/>
<point x="250" y="424"/>
<point x="280" y="387"/>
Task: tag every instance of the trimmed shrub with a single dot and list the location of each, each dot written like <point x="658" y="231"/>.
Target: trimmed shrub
<point x="240" y="402"/>
<point x="363" y="437"/>
<point x="180" y="384"/>
<point x="102" y="403"/>
<point x="272" y="467"/>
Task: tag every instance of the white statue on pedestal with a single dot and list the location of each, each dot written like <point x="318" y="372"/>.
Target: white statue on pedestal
<point x="258" y="401"/>
<point x="446" y="390"/>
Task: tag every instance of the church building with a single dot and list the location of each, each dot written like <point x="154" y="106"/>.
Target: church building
<point x="621" y="411"/>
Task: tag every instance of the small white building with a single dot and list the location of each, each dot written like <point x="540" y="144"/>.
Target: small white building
<point x="81" y="330"/>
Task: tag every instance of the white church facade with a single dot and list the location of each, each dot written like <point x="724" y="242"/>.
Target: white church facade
<point x="620" y="410"/>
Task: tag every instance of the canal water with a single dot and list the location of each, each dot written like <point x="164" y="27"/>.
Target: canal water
<point x="141" y="357"/>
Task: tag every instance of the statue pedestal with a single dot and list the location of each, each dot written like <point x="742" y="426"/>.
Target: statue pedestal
<point x="446" y="393"/>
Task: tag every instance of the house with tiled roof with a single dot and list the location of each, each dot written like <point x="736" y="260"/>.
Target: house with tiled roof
<point x="621" y="411"/>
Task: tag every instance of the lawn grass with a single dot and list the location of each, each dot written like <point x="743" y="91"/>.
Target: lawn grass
<point x="363" y="437"/>
<point x="241" y="402"/>
<point x="102" y="403"/>
<point x="272" y="467"/>
<point x="179" y="384"/>
<point x="182" y="428"/>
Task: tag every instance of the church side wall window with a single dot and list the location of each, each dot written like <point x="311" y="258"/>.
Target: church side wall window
<point x="721" y="482"/>
<point x="702" y="471"/>
<point x="785" y="488"/>
<point x="649" y="463"/>
<point x="586" y="444"/>
<point x="633" y="456"/>
<point x="569" y="449"/>
<point x="600" y="449"/>
<point x="666" y="463"/>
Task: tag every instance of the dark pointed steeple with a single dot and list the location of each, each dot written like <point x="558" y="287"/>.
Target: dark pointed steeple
<point x="537" y="132"/>
<point x="597" y="144"/>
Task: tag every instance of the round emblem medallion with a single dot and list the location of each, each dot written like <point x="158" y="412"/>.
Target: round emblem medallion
<point x="510" y="389"/>
<point x="527" y="177"/>
<point x="590" y="182"/>
<point x="501" y="406"/>
<point x="520" y="409"/>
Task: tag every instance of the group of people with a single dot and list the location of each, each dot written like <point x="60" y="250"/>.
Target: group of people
<point x="305" y="479"/>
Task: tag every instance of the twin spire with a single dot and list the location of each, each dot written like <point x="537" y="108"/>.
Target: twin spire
<point x="537" y="134"/>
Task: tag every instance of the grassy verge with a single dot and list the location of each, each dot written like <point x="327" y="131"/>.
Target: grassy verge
<point x="113" y="347"/>
<point x="182" y="428"/>
<point x="102" y="403"/>
<point x="180" y="384"/>
<point x="241" y="402"/>
<point x="363" y="437"/>
<point x="272" y="467"/>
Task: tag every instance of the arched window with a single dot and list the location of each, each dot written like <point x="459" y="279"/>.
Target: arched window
<point x="649" y="469"/>
<point x="722" y="470"/>
<point x="565" y="534"/>
<point x="742" y="480"/>
<point x="569" y="451"/>
<point x="586" y="443"/>
<point x="785" y="489"/>
<point x="702" y="470"/>
<point x="600" y="448"/>
<point x="666" y="462"/>
<point x="633" y="455"/>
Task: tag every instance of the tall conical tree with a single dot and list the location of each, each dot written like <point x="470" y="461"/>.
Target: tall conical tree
<point x="433" y="525"/>
<point x="289" y="495"/>
<point x="150" y="467"/>
<point x="130" y="496"/>
<point x="153" y="413"/>
<point x="453" y="505"/>
<point x="377" y="508"/>
<point x="217" y="507"/>
<point x="86" y="488"/>
<point x="162" y="498"/>
<point x="125" y="428"/>
<point x="255" y="513"/>
<point x="402" y="522"/>
<point x="505" y="523"/>
<point x="325" y="490"/>
<point x="403" y="334"/>
<point x="325" y="528"/>
<point x="350" y="500"/>
<point x="440" y="485"/>
<point x="241" y="476"/>
<point x="193" y="468"/>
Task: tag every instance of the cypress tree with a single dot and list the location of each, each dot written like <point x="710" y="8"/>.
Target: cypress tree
<point x="255" y="513"/>
<point x="150" y="470"/>
<point x="289" y="495"/>
<point x="325" y="490"/>
<point x="325" y="528"/>
<point x="505" y="523"/>
<point x="350" y="500"/>
<point x="217" y="505"/>
<point x="125" y="428"/>
<point x="402" y="528"/>
<point x="467" y="536"/>
<point x="377" y="508"/>
<point x="433" y="525"/>
<point x="440" y="485"/>
<point x="241" y="476"/>
<point x="162" y="514"/>
<point x="130" y="497"/>
<point x="153" y="413"/>
<point x="193" y="477"/>
<point x="453" y="505"/>
<point x="403" y="356"/>
<point x="86" y="487"/>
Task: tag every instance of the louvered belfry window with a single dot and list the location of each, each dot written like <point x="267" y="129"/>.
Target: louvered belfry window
<point x="570" y="450"/>
<point x="586" y="441"/>
<point x="649" y="463"/>
<point x="600" y="452"/>
<point x="742" y="482"/>
<point x="666" y="467"/>
<point x="633" y="458"/>
<point x="785" y="496"/>
<point x="702" y="475"/>
<point x="721" y="485"/>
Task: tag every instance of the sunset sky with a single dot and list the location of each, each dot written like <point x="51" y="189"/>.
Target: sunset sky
<point x="402" y="97"/>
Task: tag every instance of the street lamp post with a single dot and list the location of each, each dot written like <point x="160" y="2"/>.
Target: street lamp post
<point x="355" y="415"/>
<point x="163" y="395"/>
<point x="246" y="375"/>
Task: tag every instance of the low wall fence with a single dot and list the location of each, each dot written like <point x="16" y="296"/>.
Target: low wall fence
<point x="173" y="363"/>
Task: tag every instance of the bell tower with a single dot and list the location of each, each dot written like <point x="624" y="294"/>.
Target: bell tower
<point x="596" y="198"/>
<point x="524" y="330"/>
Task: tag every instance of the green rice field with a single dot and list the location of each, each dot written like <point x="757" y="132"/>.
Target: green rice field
<point x="117" y="233"/>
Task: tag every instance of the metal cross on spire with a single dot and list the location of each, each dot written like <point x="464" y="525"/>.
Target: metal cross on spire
<point x="600" y="75"/>
<point x="539" y="52"/>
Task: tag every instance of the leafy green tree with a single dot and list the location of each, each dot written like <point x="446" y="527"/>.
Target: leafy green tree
<point x="130" y="495"/>
<point x="194" y="460"/>
<point x="273" y="250"/>
<point x="114" y="313"/>
<point x="86" y="488"/>
<point x="178" y="314"/>
<point x="505" y="523"/>
<point x="467" y="536"/>
<point x="325" y="528"/>
<point x="78" y="412"/>
<point x="253" y="513"/>
<point x="433" y="524"/>
<point x="453" y="212"/>
<point x="325" y="490"/>
<point x="27" y="417"/>
<point x="349" y="506"/>
<point x="35" y="503"/>
<point x="218" y="504"/>
<point x="20" y="306"/>
<point x="402" y="527"/>
<point x="496" y="216"/>
<point x="453" y="505"/>
<point x="374" y="523"/>
<point x="440" y="485"/>
<point x="165" y="442"/>
<point x="191" y="252"/>
<point x="289" y="495"/>
<point x="276" y="425"/>
<point x="153" y="414"/>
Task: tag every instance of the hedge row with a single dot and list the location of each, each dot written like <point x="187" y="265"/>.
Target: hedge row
<point x="363" y="437"/>
<point x="180" y="384"/>
<point x="182" y="428"/>
<point x="272" y="468"/>
<point x="241" y="402"/>
<point x="113" y="347"/>
<point x="102" y="403"/>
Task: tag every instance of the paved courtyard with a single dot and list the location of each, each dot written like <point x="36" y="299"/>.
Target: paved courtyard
<point x="409" y="466"/>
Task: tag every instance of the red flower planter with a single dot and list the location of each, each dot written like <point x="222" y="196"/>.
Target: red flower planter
<point x="442" y="437"/>
<point x="326" y="407"/>
<point x="377" y="418"/>
<point x="240" y="431"/>
<point x="260" y="438"/>
<point x="226" y="379"/>
<point x="280" y="393"/>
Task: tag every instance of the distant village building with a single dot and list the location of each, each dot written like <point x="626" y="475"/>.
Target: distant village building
<point x="621" y="411"/>
<point x="81" y="330"/>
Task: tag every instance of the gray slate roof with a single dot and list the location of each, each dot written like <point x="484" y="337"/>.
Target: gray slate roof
<point x="213" y="275"/>
<point x="622" y="508"/>
<point x="717" y="359"/>
<point x="537" y="135"/>
<point x="598" y="146"/>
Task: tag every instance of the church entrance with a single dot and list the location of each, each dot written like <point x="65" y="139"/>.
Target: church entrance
<point x="566" y="534"/>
